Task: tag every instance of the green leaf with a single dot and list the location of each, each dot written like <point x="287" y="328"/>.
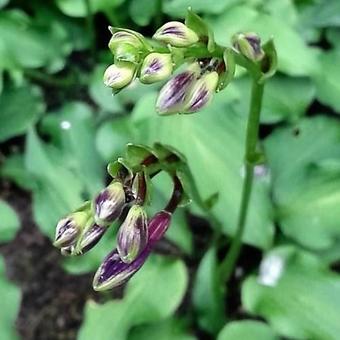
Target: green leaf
<point x="169" y="329"/>
<point x="10" y="303"/>
<point x="246" y="329"/>
<point x="208" y="294"/>
<point x="213" y="143"/>
<point x="28" y="44"/>
<point x="304" y="303"/>
<point x="142" y="11"/>
<point x="77" y="8"/>
<point x="73" y="131"/>
<point x="20" y="108"/>
<point x="294" y="56"/>
<point x="3" y="3"/>
<point x="306" y="186"/>
<point x="327" y="79"/>
<point x="9" y="222"/>
<point x="152" y="295"/>
<point x="276" y="107"/>
<point x="178" y="8"/>
<point x="57" y="191"/>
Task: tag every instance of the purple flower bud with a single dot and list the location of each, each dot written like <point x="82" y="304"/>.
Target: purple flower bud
<point x="91" y="237"/>
<point x="173" y="95"/>
<point x="201" y="92"/>
<point x="113" y="272"/>
<point x="109" y="204"/>
<point x="248" y="44"/>
<point x="133" y="234"/>
<point x="156" y="67"/>
<point x="68" y="229"/>
<point x="158" y="226"/>
<point x="176" y="34"/>
<point x="119" y="75"/>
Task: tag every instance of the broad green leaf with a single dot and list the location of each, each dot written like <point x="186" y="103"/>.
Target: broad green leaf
<point x="295" y="57"/>
<point x="24" y="44"/>
<point x="152" y="295"/>
<point x="327" y="79"/>
<point x="10" y="303"/>
<point x="77" y="8"/>
<point x="213" y="143"/>
<point x="101" y="94"/>
<point x="306" y="180"/>
<point x="178" y="8"/>
<point x="58" y="191"/>
<point x="20" y="108"/>
<point x="142" y="11"/>
<point x="9" y="222"/>
<point x="246" y="329"/>
<point x="3" y="3"/>
<point x="208" y="295"/>
<point x="169" y="329"/>
<point x="304" y="303"/>
<point x="276" y="107"/>
<point x="73" y="132"/>
<point x="112" y="137"/>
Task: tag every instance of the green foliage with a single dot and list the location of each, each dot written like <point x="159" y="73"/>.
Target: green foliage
<point x="10" y="301"/>
<point x="9" y="223"/>
<point x="304" y="303"/>
<point x="145" y="301"/>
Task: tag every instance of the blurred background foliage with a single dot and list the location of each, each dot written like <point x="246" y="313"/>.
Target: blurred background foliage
<point x="59" y="126"/>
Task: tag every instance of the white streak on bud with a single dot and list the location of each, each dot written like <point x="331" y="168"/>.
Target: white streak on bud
<point x="119" y="76"/>
<point x="133" y="234"/>
<point x="155" y="67"/>
<point x="176" y="34"/>
<point x="201" y="92"/>
<point x="173" y="95"/>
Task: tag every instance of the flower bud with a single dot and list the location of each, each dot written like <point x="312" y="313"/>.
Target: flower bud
<point x="172" y="97"/>
<point x="176" y="34"/>
<point x="155" y="67"/>
<point x="68" y="229"/>
<point x="119" y="75"/>
<point x="248" y="44"/>
<point x="123" y="37"/>
<point x="158" y="225"/>
<point x="91" y="237"/>
<point x="109" y="204"/>
<point x="201" y="92"/>
<point x="113" y="272"/>
<point x="133" y="234"/>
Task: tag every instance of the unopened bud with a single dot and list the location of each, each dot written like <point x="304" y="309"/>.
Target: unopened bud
<point x="248" y="44"/>
<point x="68" y="229"/>
<point x="123" y="37"/>
<point x="119" y="75"/>
<point x="155" y="67"/>
<point x="176" y="34"/>
<point x="158" y="225"/>
<point x="201" y="92"/>
<point x="109" y="204"/>
<point x="133" y="234"/>
<point x="172" y="97"/>
<point x="91" y="237"/>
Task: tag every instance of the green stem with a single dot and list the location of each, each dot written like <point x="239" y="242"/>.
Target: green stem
<point x="159" y="14"/>
<point x="228" y="264"/>
<point x="90" y="27"/>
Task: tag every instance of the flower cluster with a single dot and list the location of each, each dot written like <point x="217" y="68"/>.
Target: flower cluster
<point x="81" y="230"/>
<point x="208" y="67"/>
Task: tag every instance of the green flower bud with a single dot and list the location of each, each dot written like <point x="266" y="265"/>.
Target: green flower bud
<point x="201" y="92"/>
<point x="69" y="228"/>
<point x="248" y="44"/>
<point x="123" y="37"/>
<point x="119" y="75"/>
<point x="176" y="34"/>
<point x="133" y="234"/>
<point x="155" y="67"/>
